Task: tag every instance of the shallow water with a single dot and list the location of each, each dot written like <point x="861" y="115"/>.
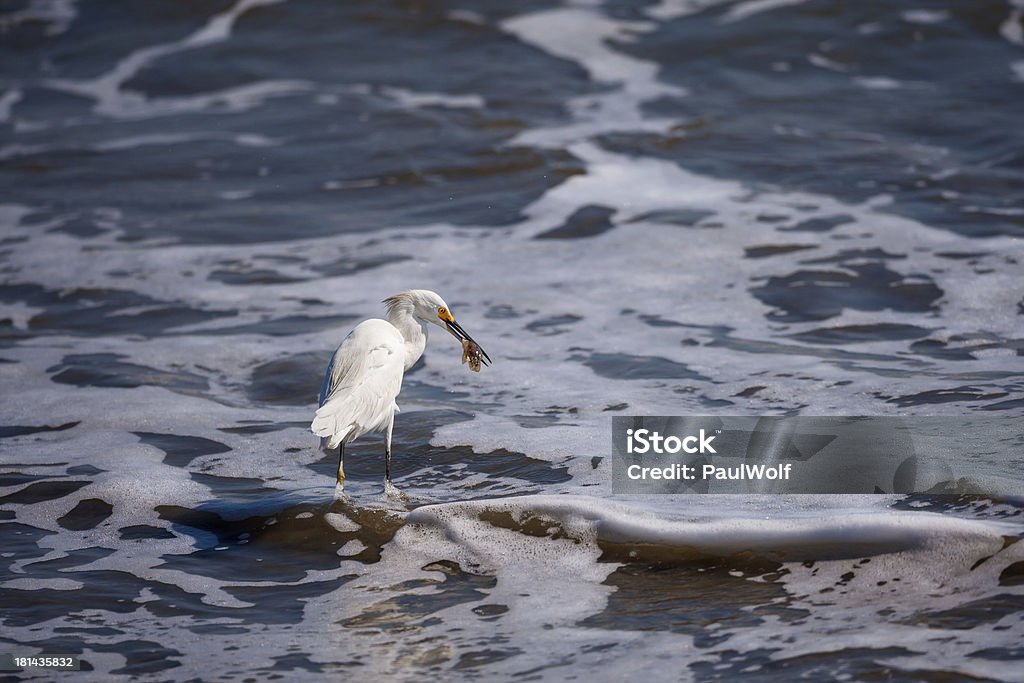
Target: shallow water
<point x="682" y="207"/>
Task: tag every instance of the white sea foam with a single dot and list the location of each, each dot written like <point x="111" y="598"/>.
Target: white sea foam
<point x="823" y="62"/>
<point x="468" y="16"/>
<point x="58" y="15"/>
<point x="18" y="313"/>
<point x="7" y="102"/>
<point x="912" y="589"/>
<point x="113" y="100"/>
<point x="1018" y="70"/>
<point x="341" y="523"/>
<point x="533" y="366"/>
<point x="544" y="585"/>
<point x="667" y="10"/>
<point x="543" y="552"/>
<point x="925" y="16"/>
<point x="1012" y="29"/>
<point x="135" y="141"/>
<point x="582" y="35"/>
<point x="116" y="103"/>
<point x="414" y="99"/>
<point x="547" y="582"/>
<point x="749" y="8"/>
<point x="26" y="584"/>
<point x="878" y="83"/>
<point x="810" y="528"/>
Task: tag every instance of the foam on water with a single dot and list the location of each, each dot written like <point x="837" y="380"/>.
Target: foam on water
<point x="582" y="35"/>
<point x="541" y="552"/>
<point x="667" y="10"/>
<point x="634" y="286"/>
<point x="743" y="10"/>
<point x="155" y="139"/>
<point x="57" y="15"/>
<point x="1013" y="29"/>
<point x="536" y="366"/>
<point x="414" y="99"/>
<point x="114" y="100"/>
<point x="8" y="100"/>
<point x="924" y="16"/>
<point x="108" y="89"/>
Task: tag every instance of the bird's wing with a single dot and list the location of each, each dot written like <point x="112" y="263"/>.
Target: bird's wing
<point x="367" y="346"/>
<point x="361" y="382"/>
<point x="327" y="384"/>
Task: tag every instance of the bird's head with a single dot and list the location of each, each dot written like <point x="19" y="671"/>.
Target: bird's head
<point x="429" y="307"/>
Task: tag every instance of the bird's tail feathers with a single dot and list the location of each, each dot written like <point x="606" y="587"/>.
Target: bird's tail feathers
<point x="325" y="425"/>
<point x="348" y="416"/>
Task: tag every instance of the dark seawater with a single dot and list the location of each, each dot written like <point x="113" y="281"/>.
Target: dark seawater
<point x="679" y="207"/>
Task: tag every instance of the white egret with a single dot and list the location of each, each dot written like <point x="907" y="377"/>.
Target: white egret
<point x="365" y="374"/>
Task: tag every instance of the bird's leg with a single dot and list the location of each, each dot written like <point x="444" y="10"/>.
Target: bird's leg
<point x="387" y="453"/>
<point x="341" y="464"/>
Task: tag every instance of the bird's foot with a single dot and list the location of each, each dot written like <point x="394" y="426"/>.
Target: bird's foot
<point x="391" y="492"/>
<point x="340" y="494"/>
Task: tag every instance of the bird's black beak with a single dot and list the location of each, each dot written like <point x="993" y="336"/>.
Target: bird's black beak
<point x="461" y="334"/>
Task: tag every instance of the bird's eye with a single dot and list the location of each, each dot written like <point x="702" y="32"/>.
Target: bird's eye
<point x="442" y="310"/>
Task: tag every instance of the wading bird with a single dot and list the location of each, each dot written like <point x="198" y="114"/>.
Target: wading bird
<point x="365" y="374"/>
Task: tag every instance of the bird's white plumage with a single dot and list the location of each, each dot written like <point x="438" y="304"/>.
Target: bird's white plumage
<point x="361" y="383"/>
<point x="365" y="374"/>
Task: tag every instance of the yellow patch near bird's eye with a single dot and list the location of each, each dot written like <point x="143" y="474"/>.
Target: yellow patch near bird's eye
<point x="444" y="315"/>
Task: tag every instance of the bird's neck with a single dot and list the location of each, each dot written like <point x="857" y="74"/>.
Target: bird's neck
<point x="413" y="331"/>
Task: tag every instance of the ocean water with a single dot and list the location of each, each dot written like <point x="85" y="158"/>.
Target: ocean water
<point x="684" y="207"/>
